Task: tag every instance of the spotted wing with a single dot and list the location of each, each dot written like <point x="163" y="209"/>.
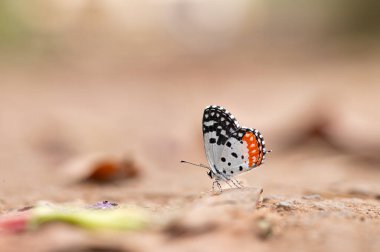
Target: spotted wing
<point x="230" y="149"/>
<point x="218" y="126"/>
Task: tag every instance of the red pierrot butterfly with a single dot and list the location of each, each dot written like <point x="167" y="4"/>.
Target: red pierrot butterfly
<point x="230" y="149"/>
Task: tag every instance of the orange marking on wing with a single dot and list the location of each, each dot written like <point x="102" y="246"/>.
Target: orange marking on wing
<point x="253" y="149"/>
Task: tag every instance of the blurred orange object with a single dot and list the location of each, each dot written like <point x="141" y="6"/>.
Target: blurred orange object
<point x="101" y="168"/>
<point x="108" y="169"/>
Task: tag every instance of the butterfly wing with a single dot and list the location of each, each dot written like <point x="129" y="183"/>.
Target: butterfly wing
<point x="252" y="147"/>
<point x="218" y="126"/>
<point x="230" y="149"/>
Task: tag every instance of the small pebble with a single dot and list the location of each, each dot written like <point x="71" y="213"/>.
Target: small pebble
<point x="312" y="197"/>
<point x="271" y="197"/>
<point x="265" y="229"/>
<point x="103" y="205"/>
<point x="284" y="205"/>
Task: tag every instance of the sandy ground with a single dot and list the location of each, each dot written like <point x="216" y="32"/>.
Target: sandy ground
<point x="320" y="185"/>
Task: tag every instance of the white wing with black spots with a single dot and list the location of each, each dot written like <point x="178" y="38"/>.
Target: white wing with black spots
<point x="230" y="149"/>
<point x="233" y="158"/>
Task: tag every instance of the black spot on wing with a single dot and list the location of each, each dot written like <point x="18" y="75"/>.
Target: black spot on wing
<point x="222" y="118"/>
<point x="221" y="140"/>
<point x="217" y="119"/>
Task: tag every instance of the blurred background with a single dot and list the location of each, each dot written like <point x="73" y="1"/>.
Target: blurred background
<point x="133" y="77"/>
<point x="130" y="78"/>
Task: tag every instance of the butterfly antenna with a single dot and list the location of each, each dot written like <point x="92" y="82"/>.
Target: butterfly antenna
<point x="200" y="165"/>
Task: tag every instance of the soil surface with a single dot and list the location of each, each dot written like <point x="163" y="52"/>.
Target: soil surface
<point x="319" y="189"/>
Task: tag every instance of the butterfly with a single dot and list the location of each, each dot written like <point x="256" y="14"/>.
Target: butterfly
<point x="230" y="149"/>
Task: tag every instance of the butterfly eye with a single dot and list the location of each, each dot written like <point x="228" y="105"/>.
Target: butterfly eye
<point x="210" y="174"/>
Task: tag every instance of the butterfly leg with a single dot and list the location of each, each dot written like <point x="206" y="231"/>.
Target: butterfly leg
<point x="219" y="186"/>
<point x="239" y="183"/>
<point x="228" y="184"/>
<point x="216" y="182"/>
<point x="236" y="183"/>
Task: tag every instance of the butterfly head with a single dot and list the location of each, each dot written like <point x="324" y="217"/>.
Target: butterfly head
<point x="210" y="174"/>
